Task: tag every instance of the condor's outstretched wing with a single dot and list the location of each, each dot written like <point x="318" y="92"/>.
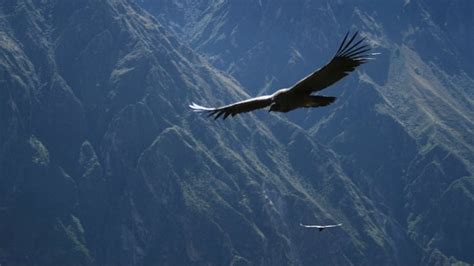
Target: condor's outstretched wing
<point x="235" y="108"/>
<point x="351" y="53"/>
<point x="320" y="227"/>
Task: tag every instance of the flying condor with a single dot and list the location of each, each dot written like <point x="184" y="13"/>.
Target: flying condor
<point x="352" y="53"/>
<point x="320" y="227"/>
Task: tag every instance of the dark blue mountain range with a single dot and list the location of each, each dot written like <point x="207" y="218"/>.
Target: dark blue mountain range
<point x="103" y="163"/>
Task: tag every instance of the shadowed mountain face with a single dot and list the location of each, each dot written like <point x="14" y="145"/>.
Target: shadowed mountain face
<point x="102" y="163"/>
<point x="402" y="128"/>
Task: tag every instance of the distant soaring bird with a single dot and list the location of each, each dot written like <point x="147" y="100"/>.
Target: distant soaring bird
<point x="321" y="227"/>
<point x="350" y="54"/>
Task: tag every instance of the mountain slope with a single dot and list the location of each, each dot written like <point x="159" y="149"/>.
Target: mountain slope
<point x="102" y="163"/>
<point x="402" y="126"/>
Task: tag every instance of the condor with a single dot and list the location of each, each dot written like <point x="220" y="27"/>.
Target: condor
<point x="351" y="54"/>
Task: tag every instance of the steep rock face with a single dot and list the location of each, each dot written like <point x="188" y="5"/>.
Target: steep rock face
<point x="38" y="195"/>
<point x="450" y="239"/>
<point x="376" y="149"/>
<point x="402" y="126"/>
<point x="102" y="163"/>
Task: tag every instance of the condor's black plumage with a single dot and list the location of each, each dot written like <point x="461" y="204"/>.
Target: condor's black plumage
<point x="351" y="54"/>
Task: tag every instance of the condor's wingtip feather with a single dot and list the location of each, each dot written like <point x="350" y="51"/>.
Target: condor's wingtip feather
<point x="199" y="108"/>
<point x="344" y="45"/>
<point x="354" y="48"/>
